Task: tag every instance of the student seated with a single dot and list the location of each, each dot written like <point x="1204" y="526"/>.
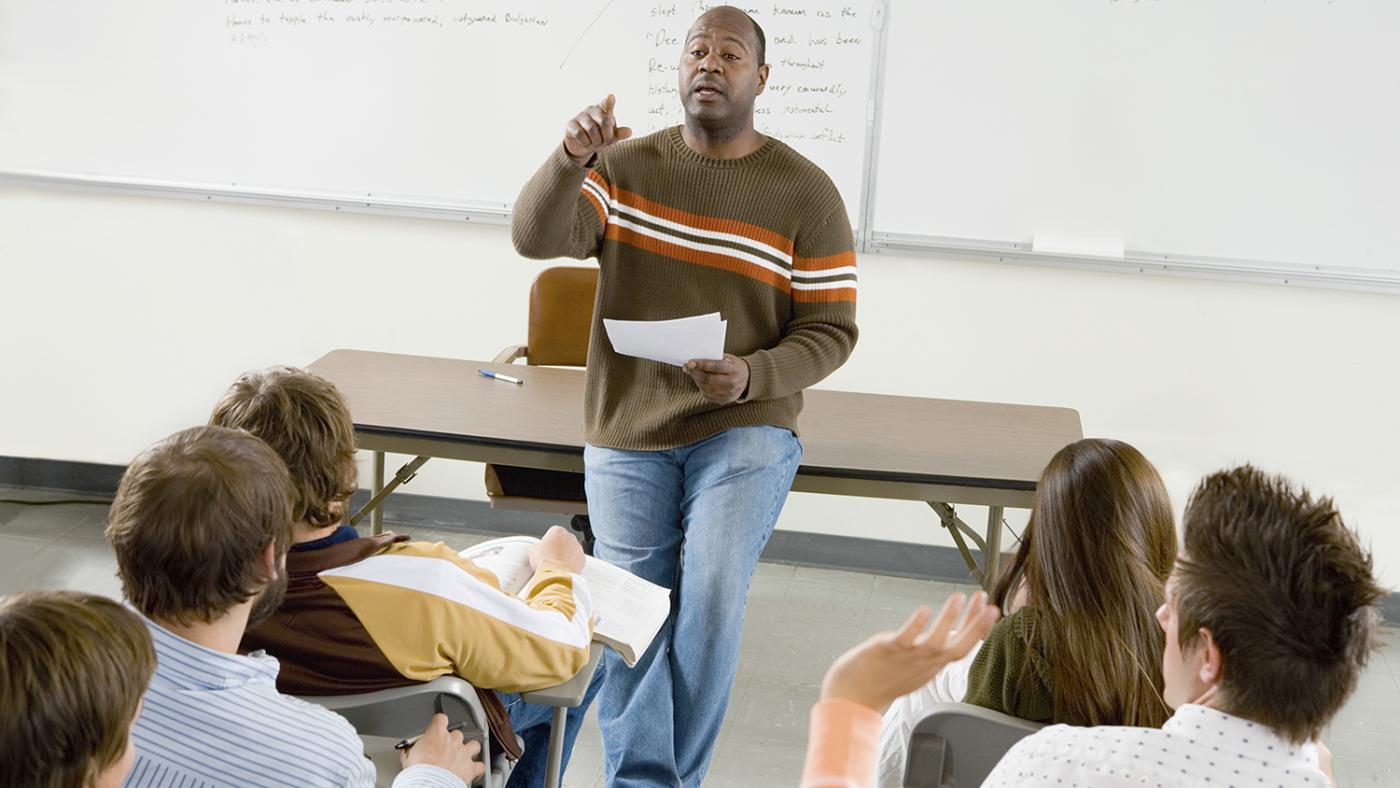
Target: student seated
<point x="1270" y="618"/>
<point x="1078" y="644"/>
<point x="200" y="525"/>
<point x="405" y="611"/>
<point x="72" y="670"/>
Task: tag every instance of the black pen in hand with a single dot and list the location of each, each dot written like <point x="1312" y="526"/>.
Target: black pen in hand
<point x="404" y="744"/>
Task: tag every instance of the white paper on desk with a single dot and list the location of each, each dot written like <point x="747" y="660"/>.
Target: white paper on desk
<point x="669" y="341"/>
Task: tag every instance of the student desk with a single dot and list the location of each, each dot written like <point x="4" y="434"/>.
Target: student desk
<point x="942" y="452"/>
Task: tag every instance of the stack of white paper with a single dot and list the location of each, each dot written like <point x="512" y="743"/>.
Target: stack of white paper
<point x="669" y="341"/>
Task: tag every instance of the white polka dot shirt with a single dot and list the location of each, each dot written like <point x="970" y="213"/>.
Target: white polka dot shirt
<point x="1198" y="746"/>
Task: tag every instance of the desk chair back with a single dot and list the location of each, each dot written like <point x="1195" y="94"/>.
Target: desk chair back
<point x="403" y="712"/>
<point x="956" y="745"/>
<point x="561" y="315"/>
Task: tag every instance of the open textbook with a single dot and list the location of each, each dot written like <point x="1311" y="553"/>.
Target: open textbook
<point x="629" y="610"/>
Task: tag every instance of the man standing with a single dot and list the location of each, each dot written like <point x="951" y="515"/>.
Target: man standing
<point x="687" y="467"/>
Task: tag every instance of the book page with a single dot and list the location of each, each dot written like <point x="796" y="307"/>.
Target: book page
<point x="508" y="558"/>
<point x="629" y="610"/>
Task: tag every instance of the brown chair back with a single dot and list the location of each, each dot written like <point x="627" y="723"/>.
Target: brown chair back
<point x="561" y="313"/>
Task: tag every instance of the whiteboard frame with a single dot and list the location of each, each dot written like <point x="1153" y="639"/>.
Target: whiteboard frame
<point x="1376" y="280"/>
<point x="879" y="14"/>
<point x="482" y="213"/>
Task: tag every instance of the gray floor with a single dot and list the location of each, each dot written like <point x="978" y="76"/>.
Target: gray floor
<point x="798" y="620"/>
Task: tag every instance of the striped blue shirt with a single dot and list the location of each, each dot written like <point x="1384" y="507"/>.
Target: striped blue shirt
<point x="212" y="720"/>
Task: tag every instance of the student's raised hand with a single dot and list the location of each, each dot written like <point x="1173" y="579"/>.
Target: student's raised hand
<point x="560" y="545"/>
<point x="593" y="130"/>
<point x="892" y="664"/>
<point x="721" y="381"/>
<point x="445" y="749"/>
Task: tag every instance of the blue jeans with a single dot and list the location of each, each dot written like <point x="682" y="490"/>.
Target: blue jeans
<point x="532" y="723"/>
<point x="693" y="519"/>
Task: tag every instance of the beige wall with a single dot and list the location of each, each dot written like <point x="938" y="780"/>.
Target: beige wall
<point x="124" y="318"/>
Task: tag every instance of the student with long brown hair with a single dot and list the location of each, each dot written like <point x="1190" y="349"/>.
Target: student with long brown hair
<point x="1079" y="643"/>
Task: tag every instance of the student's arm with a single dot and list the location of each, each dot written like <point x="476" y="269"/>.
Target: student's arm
<point x="822" y="332"/>
<point x="441" y="613"/>
<point x="864" y="681"/>
<point x="563" y="209"/>
<point x="557" y="559"/>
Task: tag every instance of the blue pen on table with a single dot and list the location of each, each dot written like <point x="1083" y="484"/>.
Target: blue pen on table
<point x="498" y="376"/>
<point x="404" y="744"/>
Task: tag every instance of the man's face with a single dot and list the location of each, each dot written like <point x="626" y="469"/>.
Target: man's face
<point x="1181" y="670"/>
<point x="719" y="70"/>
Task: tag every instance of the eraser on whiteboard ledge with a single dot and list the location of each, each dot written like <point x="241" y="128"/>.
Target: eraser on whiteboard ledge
<point x="1079" y="246"/>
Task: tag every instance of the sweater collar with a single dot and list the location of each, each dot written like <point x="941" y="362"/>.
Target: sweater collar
<point x="689" y="154"/>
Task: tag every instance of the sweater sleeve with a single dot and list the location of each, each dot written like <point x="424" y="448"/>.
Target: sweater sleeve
<point x="841" y="745"/>
<point x="822" y="331"/>
<point x="432" y="613"/>
<point x="562" y="211"/>
<point x="1009" y="674"/>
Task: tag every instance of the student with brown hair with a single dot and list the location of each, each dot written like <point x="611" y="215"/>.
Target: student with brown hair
<point x="1079" y="644"/>
<point x="200" y="525"/>
<point x="358" y="615"/>
<point x="1269" y="619"/>
<point x="72" y="670"/>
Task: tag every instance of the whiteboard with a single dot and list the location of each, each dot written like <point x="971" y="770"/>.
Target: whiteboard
<point x="1236" y="130"/>
<point x="448" y="104"/>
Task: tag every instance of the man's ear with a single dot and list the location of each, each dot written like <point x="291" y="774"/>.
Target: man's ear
<point x="271" y="562"/>
<point x="762" y="78"/>
<point x="1211" y="670"/>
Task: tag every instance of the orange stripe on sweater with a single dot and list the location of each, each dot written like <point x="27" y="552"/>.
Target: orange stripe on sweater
<point x="731" y="226"/>
<point x="824" y="263"/>
<point x="597" y="204"/>
<point x="825" y="296"/>
<point x="688" y="255"/>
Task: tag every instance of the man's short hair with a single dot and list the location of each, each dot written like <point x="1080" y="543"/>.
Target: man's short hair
<point x="192" y="517"/>
<point x="306" y="420"/>
<point x="1286" y="592"/>
<point x="762" y="40"/>
<point x="73" y="668"/>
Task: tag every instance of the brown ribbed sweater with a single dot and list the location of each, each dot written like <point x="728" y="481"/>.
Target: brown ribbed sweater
<point x="763" y="240"/>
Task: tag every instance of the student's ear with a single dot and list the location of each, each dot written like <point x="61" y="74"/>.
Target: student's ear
<point x="271" y="562"/>
<point x="762" y="78"/>
<point x="1211" y="670"/>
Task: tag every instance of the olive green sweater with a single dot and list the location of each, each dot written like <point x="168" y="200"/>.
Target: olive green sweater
<point x="763" y="239"/>
<point x="1011" y="673"/>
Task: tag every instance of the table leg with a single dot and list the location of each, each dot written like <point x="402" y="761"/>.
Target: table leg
<point x="948" y="517"/>
<point x="991" y="558"/>
<point x="376" y="517"/>
<point x="553" y="774"/>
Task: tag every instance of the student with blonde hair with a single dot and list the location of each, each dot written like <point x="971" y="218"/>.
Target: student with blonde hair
<point x="73" y="668"/>
<point x="1079" y="643"/>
